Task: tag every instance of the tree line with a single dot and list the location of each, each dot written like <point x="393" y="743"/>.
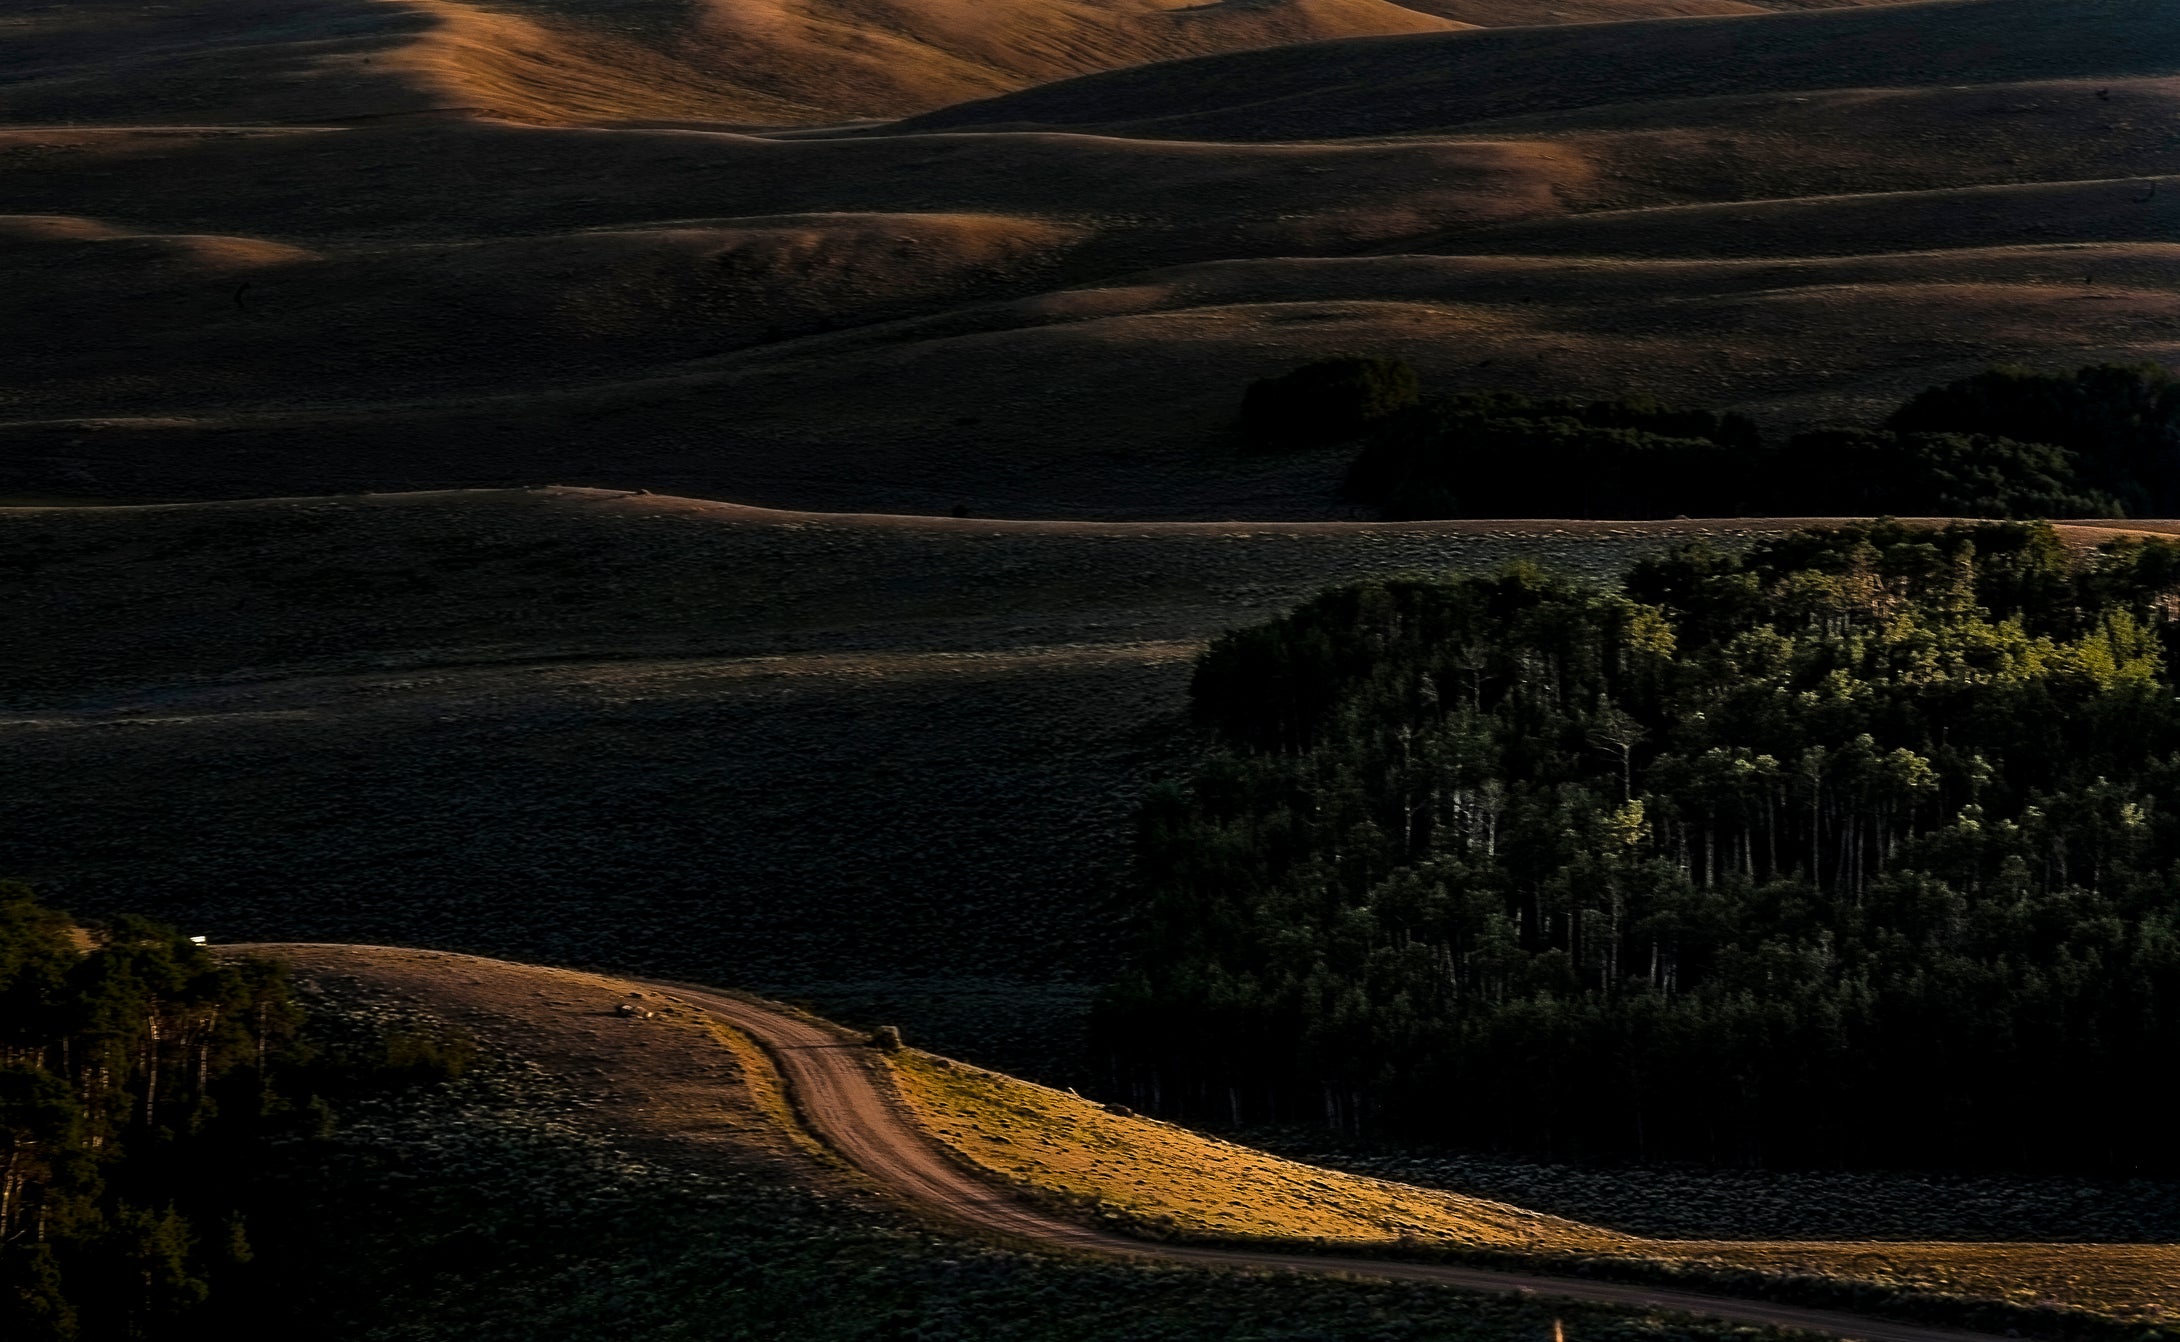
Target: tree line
<point x="146" y="1087"/>
<point x="2102" y="441"/>
<point x="1857" y="847"/>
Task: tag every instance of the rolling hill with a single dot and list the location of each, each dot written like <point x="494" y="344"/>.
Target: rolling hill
<point x="746" y="62"/>
<point x="559" y="61"/>
<point x="640" y="1093"/>
<point x="628" y="731"/>
<point x="299" y="294"/>
<point x="308" y="303"/>
<point x="1381" y="87"/>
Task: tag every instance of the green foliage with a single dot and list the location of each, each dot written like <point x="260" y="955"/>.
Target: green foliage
<point x="1329" y="401"/>
<point x="132" y="1073"/>
<point x="1863" y="473"/>
<point x="403" y="1060"/>
<point x="1856" y="847"/>
<point x="1498" y="454"/>
<point x="2122" y="422"/>
<point x="2100" y="442"/>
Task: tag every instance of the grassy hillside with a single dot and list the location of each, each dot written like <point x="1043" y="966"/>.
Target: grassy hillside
<point x="594" y="1175"/>
<point x="563" y="61"/>
<point x="641" y="1174"/>
<point x="629" y="731"/>
<point x="1167" y="1179"/>
<point x="1393" y="86"/>
<point x="750" y="62"/>
<point x="915" y="322"/>
<point x="1170" y="1181"/>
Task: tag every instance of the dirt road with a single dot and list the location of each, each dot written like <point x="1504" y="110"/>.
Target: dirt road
<point x="836" y="1087"/>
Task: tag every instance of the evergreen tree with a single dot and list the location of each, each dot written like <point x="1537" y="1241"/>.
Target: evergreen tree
<point x="1856" y="847"/>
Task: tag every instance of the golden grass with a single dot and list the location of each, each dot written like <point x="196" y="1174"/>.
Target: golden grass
<point x="520" y="69"/>
<point x="1434" y="82"/>
<point x="1163" y="1176"/>
<point x="1156" y="1173"/>
<point x="767" y="1092"/>
<point x="770" y="62"/>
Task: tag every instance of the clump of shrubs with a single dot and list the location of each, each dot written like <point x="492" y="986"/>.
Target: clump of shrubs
<point x="2118" y="423"/>
<point x="2103" y="441"/>
<point x="1326" y="402"/>
<point x="1861" y="472"/>
<point x="1501" y="454"/>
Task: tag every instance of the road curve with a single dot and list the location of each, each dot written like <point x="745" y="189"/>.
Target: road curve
<point x="833" y="1082"/>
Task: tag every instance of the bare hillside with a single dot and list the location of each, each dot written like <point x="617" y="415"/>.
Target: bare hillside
<point x="558" y="61"/>
<point x="743" y="62"/>
<point x="1030" y="324"/>
<point x="1397" y="86"/>
<point x="1033" y="324"/>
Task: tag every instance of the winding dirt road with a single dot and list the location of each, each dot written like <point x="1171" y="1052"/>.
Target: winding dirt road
<point x="834" y="1083"/>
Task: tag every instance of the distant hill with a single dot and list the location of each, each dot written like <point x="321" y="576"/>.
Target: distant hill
<point x="1399" y="85"/>
<point x="1048" y="324"/>
<point x="738" y="62"/>
<point x="555" y="61"/>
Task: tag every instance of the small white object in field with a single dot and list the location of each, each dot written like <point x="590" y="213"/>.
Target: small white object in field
<point x="196" y="941"/>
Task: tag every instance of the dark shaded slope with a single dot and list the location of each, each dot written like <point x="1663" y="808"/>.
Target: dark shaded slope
<point x="1857" y="225"/>
<point x="1387" y="86"/>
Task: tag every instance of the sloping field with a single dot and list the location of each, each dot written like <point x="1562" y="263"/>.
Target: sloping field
<point x="766" y="62"/>
<point x="1107" y="400"/>
<point x="560" y="61"/>
<point x="2127" y="210"/>
<point x="1398" y="87"/>
<point x="207" y="62"/>
<point x="1155" y="1174"/>
<point x="630" y="731"/>
<point x="760" y="61"/>
<point x="1144" y="1173"/>
<point x="696" y="1088"/>
<point x="595" y="1174"/>
<point x="1029" y="324"/>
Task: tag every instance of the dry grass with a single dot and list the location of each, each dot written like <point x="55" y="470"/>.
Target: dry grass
<point x="1404" y="86"/>
<point x="1155" y="1174"/>
<point x="1176" y="1181"/>
<point x="513" y="65"/>
<point x="1027" y="324"/>
<point x="764" y="62"/>
<point x="689" y="1096"/>
<point x="560" y="1190"/>
<point x="671" y="1082"/>
<point x="1021" y="325"/>
<point x="561" y="61"/>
